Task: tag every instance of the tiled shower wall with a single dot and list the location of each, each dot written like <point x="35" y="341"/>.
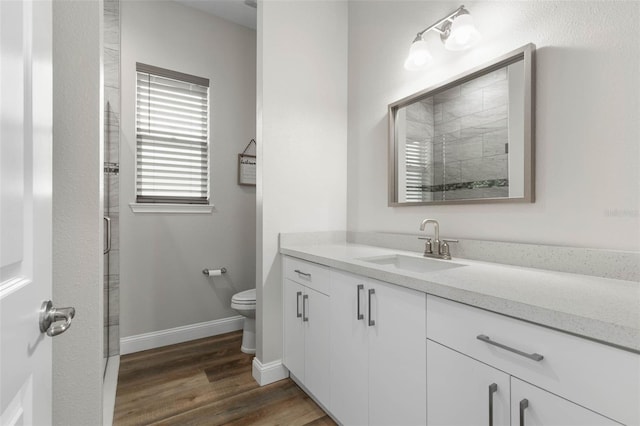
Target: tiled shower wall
<point x="111" y="178"/>
<point x="470" y="137"/>
<point x="462" y="136"/>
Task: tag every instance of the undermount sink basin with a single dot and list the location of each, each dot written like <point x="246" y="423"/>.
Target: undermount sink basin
<point x="412" y="264"/>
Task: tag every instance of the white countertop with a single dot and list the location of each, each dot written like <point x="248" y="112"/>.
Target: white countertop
<point x="607" y="310"/>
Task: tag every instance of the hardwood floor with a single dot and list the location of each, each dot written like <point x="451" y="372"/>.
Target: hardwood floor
<point x="206" y="382"/>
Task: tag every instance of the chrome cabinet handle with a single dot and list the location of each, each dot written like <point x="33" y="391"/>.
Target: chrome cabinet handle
<point x="524" y="404"/>
<point x="107" y="220"/>
<point x="533" y="356"/>
<point x="305" y="318"/>
<point x="49" y="315"/>
<point x="302" y="273"/>
<point x="298" y="314"/>
<point x="359" y="316"/>
<point x="493" y="388"/>
<point x="371" y="321"/>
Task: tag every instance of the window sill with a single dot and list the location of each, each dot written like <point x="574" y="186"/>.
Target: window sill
<point x="171" y="208"/>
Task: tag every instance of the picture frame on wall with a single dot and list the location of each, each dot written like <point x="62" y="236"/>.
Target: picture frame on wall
<point x="246" y="170"/>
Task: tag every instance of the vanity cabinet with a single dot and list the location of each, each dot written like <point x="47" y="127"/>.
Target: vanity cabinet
<point x="463" y="391"/>
<point x="374" y="353"/>
<point x="306" y="326"/>
<point x="378" y="371"/>
<point x="566" y="379"/>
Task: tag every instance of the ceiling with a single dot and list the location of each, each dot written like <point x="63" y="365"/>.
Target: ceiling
<point x="231" y="10"/>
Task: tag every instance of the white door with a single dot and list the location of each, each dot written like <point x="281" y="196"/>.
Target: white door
<point x="397" y="356"/>
<point x="350" y="361"/>
<point x="532" y="406"/>
<point x="25" y="210"/>
<point x="462" y="391"/>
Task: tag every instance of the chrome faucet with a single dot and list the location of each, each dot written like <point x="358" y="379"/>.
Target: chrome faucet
<point x="434" y="247"/>
<point x="430" y="245"/>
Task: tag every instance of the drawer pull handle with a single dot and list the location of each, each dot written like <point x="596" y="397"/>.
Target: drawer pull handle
<point x="533" y="356"/>
<point x="524" y="404"/>
<point x="302" y="273"/>
<point x="493" y="388"/>
<point x="305" y="317"/>
<point x="359" y="316"/>
<point x="372" y="322"/>
<point x="298" y="314"/>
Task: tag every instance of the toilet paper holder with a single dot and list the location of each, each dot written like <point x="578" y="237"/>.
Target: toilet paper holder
<point x="212" y="272"/>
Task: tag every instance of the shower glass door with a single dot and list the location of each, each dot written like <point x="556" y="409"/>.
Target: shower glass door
<point x="111" y="279"/>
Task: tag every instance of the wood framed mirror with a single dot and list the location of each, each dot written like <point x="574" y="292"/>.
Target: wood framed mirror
<point x="467" y="140"/>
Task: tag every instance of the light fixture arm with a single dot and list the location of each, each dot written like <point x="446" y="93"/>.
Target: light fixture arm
<point x="434" y="27"/>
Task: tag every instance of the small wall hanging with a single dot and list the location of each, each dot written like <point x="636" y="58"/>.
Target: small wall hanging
<point x="247" y="167"/>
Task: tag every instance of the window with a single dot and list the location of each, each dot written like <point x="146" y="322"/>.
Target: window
<point x="417" y="172"/>
<point x="172" y="134"/>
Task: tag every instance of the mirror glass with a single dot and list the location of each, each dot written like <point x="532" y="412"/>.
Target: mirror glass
<point x="468" y="140"/>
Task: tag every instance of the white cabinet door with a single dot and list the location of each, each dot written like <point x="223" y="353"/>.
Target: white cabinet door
<point x="350" y="350"/>
<point x="316" y="322"/>
<point x="397" y="355"/>
<point x="462" y="391"/>
<point x="532" y="406"/>
<point x="293" y="357"/>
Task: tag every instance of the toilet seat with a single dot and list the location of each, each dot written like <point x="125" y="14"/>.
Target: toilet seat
<point x="245" y="305"/>
<point x="246" y="299"/>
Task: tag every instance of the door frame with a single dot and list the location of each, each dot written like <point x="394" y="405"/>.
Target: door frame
<point x="78" y="208"/>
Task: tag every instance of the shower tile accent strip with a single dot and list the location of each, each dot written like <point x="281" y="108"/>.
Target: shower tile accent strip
<point x="112" y="163"/>
<point x="490" y="183"/>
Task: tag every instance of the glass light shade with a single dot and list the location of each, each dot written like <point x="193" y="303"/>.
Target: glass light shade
<point x="419" y="56"/>
<point x="462" y="34"/>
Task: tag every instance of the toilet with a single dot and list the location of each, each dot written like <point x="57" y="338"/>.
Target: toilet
<point x="245" y="304"/>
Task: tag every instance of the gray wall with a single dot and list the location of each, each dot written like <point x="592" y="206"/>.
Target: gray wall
<point x="587" y="109"/>
<point x="162" y="255"/>
<point x="77" y="209"/>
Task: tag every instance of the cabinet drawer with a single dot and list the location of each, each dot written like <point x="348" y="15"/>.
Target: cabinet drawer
<point x="597" y="376"/>
<point x="306" y="273"/>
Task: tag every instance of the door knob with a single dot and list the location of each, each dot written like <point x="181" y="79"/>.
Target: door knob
<point x="49" y="315"/>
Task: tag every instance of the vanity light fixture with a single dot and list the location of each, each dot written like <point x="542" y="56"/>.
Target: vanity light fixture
<point x="419" y="55"/>
<point x="457" y="32"/>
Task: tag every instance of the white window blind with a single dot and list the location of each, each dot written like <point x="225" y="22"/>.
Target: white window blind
<point x="416" y="159"/>
<point x="172" y="126"/>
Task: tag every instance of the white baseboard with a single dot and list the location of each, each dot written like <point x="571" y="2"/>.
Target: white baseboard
<point x="269" y="372"/>
<point x="156" y="339"/>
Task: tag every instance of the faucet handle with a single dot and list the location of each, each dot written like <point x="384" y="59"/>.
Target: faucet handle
<point x="427" y="245"/>
<point x="444" y="248"/>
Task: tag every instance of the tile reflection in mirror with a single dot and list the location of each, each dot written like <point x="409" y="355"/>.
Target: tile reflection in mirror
<point x="466" y="140"/>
